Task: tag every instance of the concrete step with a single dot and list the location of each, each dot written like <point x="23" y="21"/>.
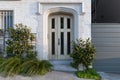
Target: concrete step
<point x="62" y="65"/>
<point x="60" y="61"/>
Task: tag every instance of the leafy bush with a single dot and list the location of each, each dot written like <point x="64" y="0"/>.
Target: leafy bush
<point x="83" y="53"/>
<point x="21" y="57"/>
<point x="19" y="43"/>
<point x="88" y="74"/>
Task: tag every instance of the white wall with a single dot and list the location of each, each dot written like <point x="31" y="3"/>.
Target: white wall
<point x="24" y="12"/>
<point x="32" y="14"/>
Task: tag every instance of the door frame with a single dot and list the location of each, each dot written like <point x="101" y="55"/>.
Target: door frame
<point x="45" y="16"/>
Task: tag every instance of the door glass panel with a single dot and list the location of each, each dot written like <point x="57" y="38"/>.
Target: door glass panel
<point x="62" y="22"/>
<point x="53" y="23"/>
<point x="68" y="23"/>
<point x="53" y="43"/>
<point x="68" y="42"/>
<point x="62" y="43"/>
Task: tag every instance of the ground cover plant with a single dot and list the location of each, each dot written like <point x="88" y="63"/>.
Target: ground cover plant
<point x="88" y="74"/>
<point x="21" y="55"/>
<point x="83" y="54"/>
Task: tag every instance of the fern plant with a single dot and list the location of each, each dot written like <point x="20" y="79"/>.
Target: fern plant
<point x="35" y="67"/>
<point x="15" y="66"/>
<point x="10" y="66"/>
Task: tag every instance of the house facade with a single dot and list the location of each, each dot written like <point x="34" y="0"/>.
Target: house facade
<point x="55" y="23"/>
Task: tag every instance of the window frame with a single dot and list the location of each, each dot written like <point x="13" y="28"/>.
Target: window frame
<point x="11" y="13"/>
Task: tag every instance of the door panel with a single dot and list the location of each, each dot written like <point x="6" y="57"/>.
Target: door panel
<point x="60" y="36"/>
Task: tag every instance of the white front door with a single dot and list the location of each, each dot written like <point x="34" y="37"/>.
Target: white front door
<point x="60" y="36"/>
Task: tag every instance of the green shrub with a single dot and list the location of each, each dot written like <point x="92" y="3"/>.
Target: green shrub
<point x="83" y="53"/>
<point x="21" y="56"/>
<point x="20" y="41"/>
<point x="88" y="74"/>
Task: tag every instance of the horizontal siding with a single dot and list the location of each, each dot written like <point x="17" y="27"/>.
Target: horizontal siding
<point x="105" y="35"/>
<point x="102" y="55"/>
<point x="108" y="49"/>
<point x="103" y="44"/>
<point x="108" y="68"/>
<point x="108" y="64"/>
<point x="106" y="39"/>
<point x="106" y="30"/>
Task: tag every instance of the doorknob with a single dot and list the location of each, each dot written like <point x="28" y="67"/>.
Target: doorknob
<point x="58" y="41"/>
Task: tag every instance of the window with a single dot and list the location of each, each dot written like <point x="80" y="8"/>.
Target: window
<point x="6" y="19"/>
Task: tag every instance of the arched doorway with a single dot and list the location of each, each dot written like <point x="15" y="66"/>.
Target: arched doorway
<point x="60" y="35"/>
<point x="57" y="11"/>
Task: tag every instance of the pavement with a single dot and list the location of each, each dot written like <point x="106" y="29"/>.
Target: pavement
<point x="57" y="75"/>
<point x="54" y="75"/>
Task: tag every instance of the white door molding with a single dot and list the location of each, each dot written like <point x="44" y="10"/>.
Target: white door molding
<point x="45" y="24"/>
